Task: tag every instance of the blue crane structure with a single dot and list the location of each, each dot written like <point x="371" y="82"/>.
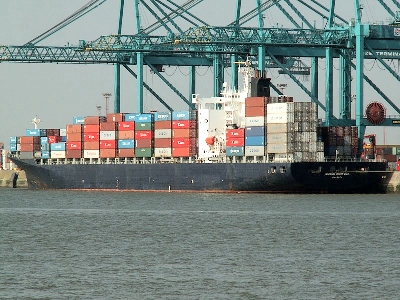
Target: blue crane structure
<point x="166" y="42"/>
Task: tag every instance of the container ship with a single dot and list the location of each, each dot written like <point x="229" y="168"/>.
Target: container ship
<point x="241" y="141"/>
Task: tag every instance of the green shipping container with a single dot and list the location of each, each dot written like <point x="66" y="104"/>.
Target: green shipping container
<point x="144" y="152"/>
<point x="144" y="126"/>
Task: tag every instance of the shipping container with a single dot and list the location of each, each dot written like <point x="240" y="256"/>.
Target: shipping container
<point x="283" y="138"/>
<point x="184" y="152"/>
<point x="45" y="154"/>
<point x="143" y="134"/>
<point x="71" y="153"/>
<point x="74" y="137"/>
<point x="183" y="124"/>
<point x="183" y="142"/>
<point x="163" y="125"/>
<point x="107" y="135"/>
<point x="115" y="117"/>
<point x="108" y="126"/>
<point x="163" y="152"/>
<point x="162" y="143"/>
<point x="92" y="136"/>
<point x="91" y="128"/>
<point x="28" y="147"/>
<point x="126" y="152"/>
<point x="178" y="133"/>
<point x="280" y="148"/>
<point x="78" y="120"/>
<point x="91" y="153"/>
<point x="144" y="126"/>
<point x="74" y="128"/>
<point x="91" y="145"/>
<point x="254" y="150"/>
<point x="73" y="146"/>
<point x="94" y="120"/>
<point x="234" y="151"/>
<point x="162" y="133"/>
<point x="32" y="132"/>
<point x="57" y="154"/>
<point x="108" y="144"/>
<point x="144" y="118"/>
<point x="234" y="142"/>
<point x="255" y="131"/>
<point x="143" y="143"/>
<point x="256" y="101"/>
<point x="235" y="133"/>
<point x="254" y="141"/>
<point x="127" y="125"/>
<point x="29" y="139"/>
<point x="53" y="139"/>
<point x="57" y="146"/>
<point x="108" y="153"/>
<point x="255" y="111"/>
<point x="162" y="116"/>
<point x="280" y="108"/>
<point x="126" y="144"/>
<point x="143" y="152"/>
<point x="255" y="121"/>
<point x="126" y="134"/>
<point x="280" y="118"/>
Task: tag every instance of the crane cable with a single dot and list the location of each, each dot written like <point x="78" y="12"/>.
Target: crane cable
<point x="92" y="4"/>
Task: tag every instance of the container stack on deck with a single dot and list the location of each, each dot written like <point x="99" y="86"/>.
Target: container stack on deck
<point x="255" y="120"/>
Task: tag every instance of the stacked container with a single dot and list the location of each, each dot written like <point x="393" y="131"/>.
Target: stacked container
<point x="91" y="136"/>
<point x="255" y="112"/>
<point x="163" y="134"/>
<point x="126" y="138"/>
<point x="74" y="141"/>
<point x="184" y="133"/>
<point x="235" y="142"/>
<point x="144" y="135"/>
<point x="292" y="132"/>
<point x="340" y="140"/>
<point x="29" y="145"/>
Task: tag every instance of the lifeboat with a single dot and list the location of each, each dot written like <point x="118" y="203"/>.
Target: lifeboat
<point x="210" y="140"/>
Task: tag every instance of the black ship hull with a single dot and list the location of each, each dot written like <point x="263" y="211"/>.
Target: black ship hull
<point x="294" y="177"/>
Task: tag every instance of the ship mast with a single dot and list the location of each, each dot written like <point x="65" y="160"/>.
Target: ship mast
<point x="35" y="121"/>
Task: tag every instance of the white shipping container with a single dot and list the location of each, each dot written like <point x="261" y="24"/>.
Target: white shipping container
<point x="162" y="152"/>
<point x="282" y="157"/>
<point x="319" y="156"/>
<point x="298" y="156"/>
<point x="106" y="135"/>
<point x="63" y="132"/>
<point x="254" y="121"/>
<point x="254" y="150"/>
<point x="57" y="154"/>
<point x="280" y="127"/>
<point x="280" y="148"/>
<point x="320" y="146"/>
<point x="280" y="138"/>
<point x="280" y="118"/>
<point x="162" y="133"/>
<point x="313" y="147"/>
<point x="280" y="108"/>
<point x="91" y="153"/>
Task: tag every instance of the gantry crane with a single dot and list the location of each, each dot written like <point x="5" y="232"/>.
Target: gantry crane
<point x="220" y="46"/>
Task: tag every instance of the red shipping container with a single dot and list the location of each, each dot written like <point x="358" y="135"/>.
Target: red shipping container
<point x="74" y="137"/>
<point x="183" y="124"/>
<point x="29" y="147"/>
<point x="143" y="134"/>
<point x="235" y="133"/>
<point x="126" y="135"/>
<point x="162" y="124"/>
<point x="162" y="143"/>
<point x="73" y="153"/>
<point x="29" y="140"/>
<point x="92" y="136"/>
<point x="91" y="145"/>
<point x="255" y="111"/>
<point x="235" y="142"/>
<point x="183" y="142"/>
<point x="115" y="117"/>
<point x="73" y="146"/>
<point x="74" y="128"/>
<point x="94" y="120"/>
<point x="108" y="126"/>
<point x="183" y="152"/>
<point x="123" y="126"/>
<point x="144" y="143"/>
<point x="256" y="101"/>
<point x="55" y="132"/>
<point x="108" y="153"/>
<point x="126" y="152"/>
<point x="91" y="128"/>
<point x="107" y="144"/>
<point x="53" y="139"/>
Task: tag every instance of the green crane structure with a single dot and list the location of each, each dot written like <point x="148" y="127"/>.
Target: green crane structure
<point x="221" y="46"/>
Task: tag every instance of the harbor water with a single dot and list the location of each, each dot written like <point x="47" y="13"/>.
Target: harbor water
<point x="122" y="245"/>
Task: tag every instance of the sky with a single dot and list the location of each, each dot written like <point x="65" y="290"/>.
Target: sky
<point x="56" y="93"/>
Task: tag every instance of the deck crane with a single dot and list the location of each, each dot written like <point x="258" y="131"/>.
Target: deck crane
<point x="214" y="45"/>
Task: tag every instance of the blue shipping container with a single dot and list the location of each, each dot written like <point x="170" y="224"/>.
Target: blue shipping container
<point x="129" y="117"/>
<point x="45" y="147"/>
<point x="180" y="115"/>
<point x="33" y="132"/>
<point x="234" y="151"/>
<point x="126" y="144"/>
<point x="255" y="131"/>
<point x="13" y="147"/>
<point x="44" y="140"/>
<point x="162" y="116"/>
<point x="45" y="154"/>
<point x="255" y="141"/>
<point x="13" y="139"/>
<point x="78" y="120"/>
<point x="144" y="118"/>
<point x="57" y="146"/>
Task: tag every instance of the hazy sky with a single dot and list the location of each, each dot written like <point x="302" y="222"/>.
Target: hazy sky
<point x="58" y="92"/>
